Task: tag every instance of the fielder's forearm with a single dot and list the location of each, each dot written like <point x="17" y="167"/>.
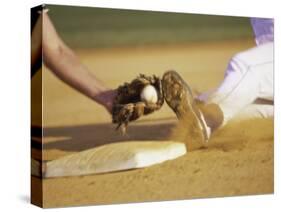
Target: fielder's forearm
<point x="66" y="66"/>
<point x="60" y="59"/>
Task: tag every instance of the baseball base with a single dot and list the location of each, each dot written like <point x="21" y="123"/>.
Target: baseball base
<point x="114" y="157"/>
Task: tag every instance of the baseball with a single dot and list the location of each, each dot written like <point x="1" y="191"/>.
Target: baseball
<point x="149" y="94"/>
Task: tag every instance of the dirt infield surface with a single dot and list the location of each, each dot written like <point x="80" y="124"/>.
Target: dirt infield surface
<point x="239" y="160"/>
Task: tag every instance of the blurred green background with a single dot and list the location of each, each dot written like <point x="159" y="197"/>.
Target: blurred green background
<point x="88" y="27"/>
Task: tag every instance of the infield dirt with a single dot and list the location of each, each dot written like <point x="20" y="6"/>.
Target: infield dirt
<point x="239" y="160"/>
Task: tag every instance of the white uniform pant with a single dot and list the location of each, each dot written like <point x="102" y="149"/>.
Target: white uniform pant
<point x="248" y="77"/>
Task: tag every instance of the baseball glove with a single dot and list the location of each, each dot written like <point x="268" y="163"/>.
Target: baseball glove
<point x="128" y="105"/>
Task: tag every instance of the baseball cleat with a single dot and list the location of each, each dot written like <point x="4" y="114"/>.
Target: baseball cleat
<point x="180" y="99"/>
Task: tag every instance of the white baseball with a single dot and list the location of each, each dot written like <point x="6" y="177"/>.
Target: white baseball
<point x="149" y="94"/>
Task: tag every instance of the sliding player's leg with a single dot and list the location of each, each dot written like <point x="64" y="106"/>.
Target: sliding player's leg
<point x="249" y="76"/>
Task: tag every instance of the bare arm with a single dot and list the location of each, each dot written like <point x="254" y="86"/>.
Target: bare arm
<point x="59" y="58"/>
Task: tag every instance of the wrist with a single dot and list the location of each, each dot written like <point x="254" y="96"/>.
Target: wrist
<point x="106" y="98"/>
